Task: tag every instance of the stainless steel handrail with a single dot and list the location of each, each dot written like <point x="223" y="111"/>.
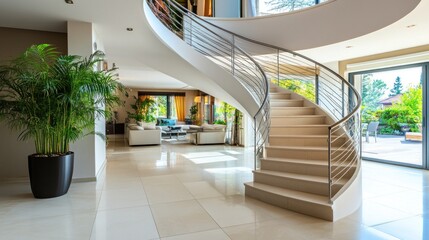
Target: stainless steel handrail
<point x="242" y="56"/>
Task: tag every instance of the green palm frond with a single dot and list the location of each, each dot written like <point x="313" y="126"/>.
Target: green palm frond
<point x="55" y="99"/>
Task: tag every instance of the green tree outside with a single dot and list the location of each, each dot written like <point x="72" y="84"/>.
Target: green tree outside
<point x="397" y="87"/>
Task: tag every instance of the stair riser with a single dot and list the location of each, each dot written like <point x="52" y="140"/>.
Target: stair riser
<point x="297" y="120"/>
<point x="298" y="130"/>
<point x="280" y="96"/>
<point x="308" y="208"/>
<point x="285" y="103"/>
<point x="293" y="184"/>
<point x="305" y="169"/>
<point x="304" y="142"/>
<point x="297" y="154"/>
<point x="292" y="111"/>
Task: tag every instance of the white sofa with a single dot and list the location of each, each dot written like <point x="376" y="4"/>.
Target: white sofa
<point x="210" y="134"/>
<point x="137" y="135"/>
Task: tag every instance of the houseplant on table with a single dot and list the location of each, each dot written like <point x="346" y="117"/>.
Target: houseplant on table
<point x="54" y="100"/>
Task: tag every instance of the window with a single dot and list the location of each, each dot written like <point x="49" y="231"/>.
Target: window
<point x="167" y="105"/>
<point x="266" y="7"/>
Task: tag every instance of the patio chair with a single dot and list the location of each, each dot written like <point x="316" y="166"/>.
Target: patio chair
<point x="372" y="127"/>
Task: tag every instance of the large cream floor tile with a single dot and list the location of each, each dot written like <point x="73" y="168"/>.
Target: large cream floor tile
<point x="118" y="198"/>
<point x="66" y="227"/>
<point x="122" y="183"/>
<point x="273" y="230"/>
<point x="158" y="180"/>
<point x="181" y="218"/>
<point x="202" y="190"/>
<point x="374" y="188"/>
<point x="127" y="223"/>
<point x="362" y="233"/>
<point x="408" y="229"/>
<point x="236" y="210"/>
<point x="31" y="208"/>
<point x="372" y="213"/>
<point x="413" y="202"/>
<point x="167" y="193"/>
<point x="206" y="235"/>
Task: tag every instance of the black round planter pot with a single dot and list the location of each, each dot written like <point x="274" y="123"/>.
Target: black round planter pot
<point x="50" y="176"/>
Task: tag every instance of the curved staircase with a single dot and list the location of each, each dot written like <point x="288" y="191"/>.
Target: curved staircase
<point x="294" y="172"/>
<point x="307" y="151"/>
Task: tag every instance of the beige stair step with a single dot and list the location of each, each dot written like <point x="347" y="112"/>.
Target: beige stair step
<point x="313" y="129"/>
<point x="305" y="203"/>
<point x="299" y="166"/>
<point x="300" y="152"/>
<point x="289" y="111"/>
<point x="286" y="103"/>
<point x="280" y="95"/>
<point x="298" y="120"/>
<point x="294" y="181"/>
<point x="303" y="140"/>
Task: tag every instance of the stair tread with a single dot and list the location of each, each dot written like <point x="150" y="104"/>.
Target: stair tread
<point x="299" y="116"/>
<point x="302" y="125"/>
<point x="285" y="100"/>
<point x="301" y="136"/>
<point x="303" y="196"/>
<point x="286" y="108"/>
<point x="295" y="160"/>
<point x="305" y="147"/>
<point x="298" y="176"/>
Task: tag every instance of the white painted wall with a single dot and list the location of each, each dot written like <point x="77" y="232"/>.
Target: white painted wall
<point x="100" y="123"/>
<point x="90" y="152"/>
<point x="14" y="153"/>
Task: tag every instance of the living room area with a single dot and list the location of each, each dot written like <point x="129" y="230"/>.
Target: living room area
<point x="174" y="116"/>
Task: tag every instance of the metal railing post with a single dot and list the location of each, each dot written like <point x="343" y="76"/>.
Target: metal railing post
<point x="342" y="99"/>
<point x="329" y="165"/>
<point x="316" y="82"/>
<point x="233" y="55"/>
<point x="278" y="67"/>
<point x="254" y="143"/>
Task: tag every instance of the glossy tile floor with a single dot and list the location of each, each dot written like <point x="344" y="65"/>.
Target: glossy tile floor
<point x="181" y="191"/>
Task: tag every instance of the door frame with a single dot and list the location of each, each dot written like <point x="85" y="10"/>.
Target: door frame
<point x="425" y="130"/>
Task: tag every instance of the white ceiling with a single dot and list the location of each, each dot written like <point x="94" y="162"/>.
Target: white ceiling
<point x="133" y="51"/>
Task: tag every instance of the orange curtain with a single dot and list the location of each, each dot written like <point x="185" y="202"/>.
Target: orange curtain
<point x="143" y="97"/>
<point x="180" y="107"/>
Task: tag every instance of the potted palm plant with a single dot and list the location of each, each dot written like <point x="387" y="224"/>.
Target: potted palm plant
<point x="144" y="110"/>
<point x="54" y="100"/>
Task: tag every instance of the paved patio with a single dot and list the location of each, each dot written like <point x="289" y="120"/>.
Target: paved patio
<point x="393" y="148"/>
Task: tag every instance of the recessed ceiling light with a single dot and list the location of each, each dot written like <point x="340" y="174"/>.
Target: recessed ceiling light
<point x="130" y="29"/>
<point x="411" y="26"/>
<point x="69" y="1"/>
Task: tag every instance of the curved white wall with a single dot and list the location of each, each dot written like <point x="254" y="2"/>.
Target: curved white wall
<point x="331" y="22"/>
<point x="198" y="71"/>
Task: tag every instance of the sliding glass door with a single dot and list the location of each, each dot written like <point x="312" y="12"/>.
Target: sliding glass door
<point x="394" y="114"/>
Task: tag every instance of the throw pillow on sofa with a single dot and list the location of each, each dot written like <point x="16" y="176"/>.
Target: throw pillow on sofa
<point x="148" y="126"/>
<point x="136" y="127"/>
